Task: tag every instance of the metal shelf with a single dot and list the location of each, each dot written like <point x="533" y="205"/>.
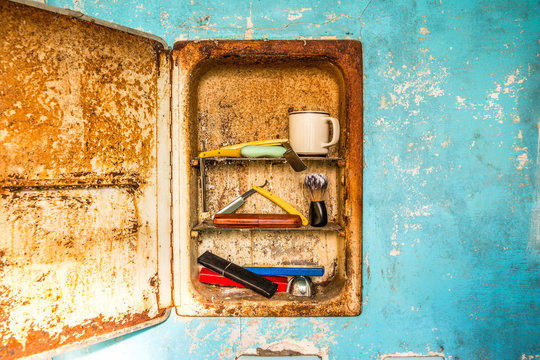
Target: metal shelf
<point x="307" y="158"/>
<point x="209" y="226"/>
<point x="196" y="161"/>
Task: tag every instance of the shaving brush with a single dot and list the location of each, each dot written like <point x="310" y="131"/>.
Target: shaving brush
<point x="317" y="184"/>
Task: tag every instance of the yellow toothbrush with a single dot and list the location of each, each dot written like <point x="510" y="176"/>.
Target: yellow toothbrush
<point x="259" y="142"/>
<point x="281" y="203"/>
<point x="221" y="152"/>
<point x="235" y="150"/>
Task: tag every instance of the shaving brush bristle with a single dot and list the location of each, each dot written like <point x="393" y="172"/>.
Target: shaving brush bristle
<point x="316" y="184"/>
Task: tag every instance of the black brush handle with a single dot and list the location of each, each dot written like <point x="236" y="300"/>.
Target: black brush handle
<point x="238" y="274"/>
<point x="318" y="214"/>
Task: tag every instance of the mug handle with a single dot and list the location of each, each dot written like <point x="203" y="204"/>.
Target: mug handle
<point x="335" y="131"/>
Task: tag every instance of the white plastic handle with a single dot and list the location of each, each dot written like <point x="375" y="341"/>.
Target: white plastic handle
<point x="335" y="132"/>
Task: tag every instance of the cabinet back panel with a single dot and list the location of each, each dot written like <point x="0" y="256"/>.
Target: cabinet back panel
<point x="246" y="102"/>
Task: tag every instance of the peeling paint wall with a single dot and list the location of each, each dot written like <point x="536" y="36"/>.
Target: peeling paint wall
<point x="451" y="197"/>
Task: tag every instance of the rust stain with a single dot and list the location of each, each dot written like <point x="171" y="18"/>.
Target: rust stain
<point x="254" y="99"/>
<point x="74" y="253"/>
<point x="42" y="341"/>
<point x="78" y="115"/>
<point x="74" y="180"/>
<point x="236" y="91"/>
<point x="72" y="107"/>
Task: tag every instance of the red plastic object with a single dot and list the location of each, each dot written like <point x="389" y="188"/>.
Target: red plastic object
<point x="207" y="276"/>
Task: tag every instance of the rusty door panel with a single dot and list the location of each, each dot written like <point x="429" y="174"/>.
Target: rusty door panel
<point x="74" y="108"/>
<point x="70" y="256"/>
<point x="79" y="110"/>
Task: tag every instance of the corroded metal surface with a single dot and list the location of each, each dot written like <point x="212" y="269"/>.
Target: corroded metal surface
<point x="236" y="91"/>
<point x="73" y="107"/>
<point x="78" y="240"/>
<point x="244" y="102"/>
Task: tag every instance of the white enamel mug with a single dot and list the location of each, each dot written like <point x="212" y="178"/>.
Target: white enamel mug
<point x="309" y="133"/>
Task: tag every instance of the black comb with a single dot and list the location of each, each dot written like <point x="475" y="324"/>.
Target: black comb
<point x="237" y="273"/>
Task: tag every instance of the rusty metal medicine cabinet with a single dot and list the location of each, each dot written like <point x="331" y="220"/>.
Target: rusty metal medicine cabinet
<point x="101" y="216"/>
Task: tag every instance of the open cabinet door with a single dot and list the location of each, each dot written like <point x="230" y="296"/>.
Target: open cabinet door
<point x="84" y="180"/>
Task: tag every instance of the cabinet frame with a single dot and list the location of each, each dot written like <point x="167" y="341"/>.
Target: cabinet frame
<point x="187" y="57"/>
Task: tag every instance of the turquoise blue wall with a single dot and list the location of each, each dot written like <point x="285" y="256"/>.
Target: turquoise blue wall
<point x="451" y="197"/>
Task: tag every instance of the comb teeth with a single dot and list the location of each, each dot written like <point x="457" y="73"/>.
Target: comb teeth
<point x="316" y="181"/>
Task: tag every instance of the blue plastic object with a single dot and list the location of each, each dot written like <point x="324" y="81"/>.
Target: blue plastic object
<point x="287" y="271"/>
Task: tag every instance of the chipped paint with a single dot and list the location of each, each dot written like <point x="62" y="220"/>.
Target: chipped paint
<point x="248" y="34"/>
<point x="415" y="85"/>
<point x="296" y="14"/>
<point x="409" y="355"/>
<point x="423" y="31"/>
<point x="289" y="347"/>
<point x="521" y="161"/>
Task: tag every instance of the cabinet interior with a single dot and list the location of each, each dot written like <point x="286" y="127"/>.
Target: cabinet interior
<point x="235" y="100"/>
